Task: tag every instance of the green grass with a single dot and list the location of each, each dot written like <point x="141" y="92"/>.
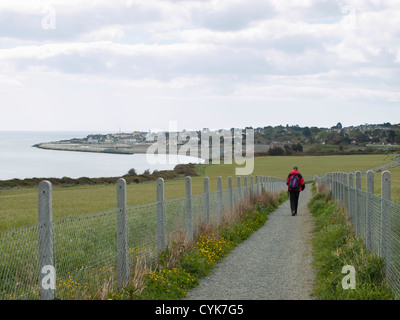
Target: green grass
<point x="19" y="206"/>
<point x="395" y="177"/>
<point x="336" y="246"/>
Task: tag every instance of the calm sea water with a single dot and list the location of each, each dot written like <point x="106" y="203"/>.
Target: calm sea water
<point x="18" y="159"/>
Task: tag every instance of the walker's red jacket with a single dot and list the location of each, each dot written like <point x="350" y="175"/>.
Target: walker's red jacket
<point x="301" y="180"/>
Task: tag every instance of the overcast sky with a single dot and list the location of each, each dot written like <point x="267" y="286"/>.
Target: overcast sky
<point x="139" y="64"/>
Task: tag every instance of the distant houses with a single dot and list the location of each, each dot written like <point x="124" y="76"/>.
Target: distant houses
<point x="116" y="138"/>
<point x="374" y="134"/>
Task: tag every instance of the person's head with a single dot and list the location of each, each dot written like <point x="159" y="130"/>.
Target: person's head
<point x="296" y="168"/>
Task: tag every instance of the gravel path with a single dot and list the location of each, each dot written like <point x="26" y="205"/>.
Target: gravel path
<point x="273" y="264"/>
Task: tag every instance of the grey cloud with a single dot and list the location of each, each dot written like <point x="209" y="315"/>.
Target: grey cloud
<point x="235" y="16"/>
<point x="71" y="25"/>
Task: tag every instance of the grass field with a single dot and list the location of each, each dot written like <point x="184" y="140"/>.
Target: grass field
<point x="19" y="206"/>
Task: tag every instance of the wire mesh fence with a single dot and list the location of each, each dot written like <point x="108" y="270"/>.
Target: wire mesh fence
<point x="84" y="248"/>
<point x="392" y="244"/>
<point x="376" y="219"/>
<point x="18" y="263"/>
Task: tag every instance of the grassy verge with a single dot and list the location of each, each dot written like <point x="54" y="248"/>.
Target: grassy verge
<point x="182" y="265"/>
<point x="335" y="246"/>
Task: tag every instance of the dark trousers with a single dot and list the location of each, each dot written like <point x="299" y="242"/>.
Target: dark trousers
<point x="294" y="200"/>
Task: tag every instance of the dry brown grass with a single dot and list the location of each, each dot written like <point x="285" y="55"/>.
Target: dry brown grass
<point x="139" y="274"/>
<point x="323" y="188"/>
<point x="245" y="206"/>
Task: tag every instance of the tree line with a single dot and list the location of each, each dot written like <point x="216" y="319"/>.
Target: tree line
<point x="385" y="133"/>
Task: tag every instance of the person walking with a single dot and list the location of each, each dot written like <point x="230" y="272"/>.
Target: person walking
<point x="296" y="184"/>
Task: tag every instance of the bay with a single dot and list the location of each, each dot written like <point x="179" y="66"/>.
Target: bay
<point x="18" y="159"/>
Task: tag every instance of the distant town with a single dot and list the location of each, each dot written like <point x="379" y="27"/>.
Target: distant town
<point x="288" y="138"/>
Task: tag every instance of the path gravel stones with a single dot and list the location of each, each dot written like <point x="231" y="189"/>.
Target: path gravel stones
<point x="275" y="263"/>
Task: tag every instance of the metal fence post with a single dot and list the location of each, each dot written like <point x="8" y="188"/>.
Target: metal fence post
<point x="230" y="190"/>
<point x="385" y="217"/>
<point x="123" y="271"/>
<point x="46" y="266"/>
<point x="207" y="200"/>
<point x="369" y="209"/>
<point x="189" y="209"/>
<point x="161" y="216"/>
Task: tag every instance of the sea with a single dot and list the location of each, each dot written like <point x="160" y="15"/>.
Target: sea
<point x="20" y="160"/>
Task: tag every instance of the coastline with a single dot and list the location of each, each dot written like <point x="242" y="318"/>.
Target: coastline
<point x="119" y="148"/>
<point x="78" y="147"/>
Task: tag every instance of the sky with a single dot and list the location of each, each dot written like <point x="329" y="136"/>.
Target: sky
<point x="80" y="65"/>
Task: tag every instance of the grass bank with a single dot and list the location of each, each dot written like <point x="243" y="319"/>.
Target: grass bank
<point x="335" y="246"/>
<point x="183" y="265"/>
